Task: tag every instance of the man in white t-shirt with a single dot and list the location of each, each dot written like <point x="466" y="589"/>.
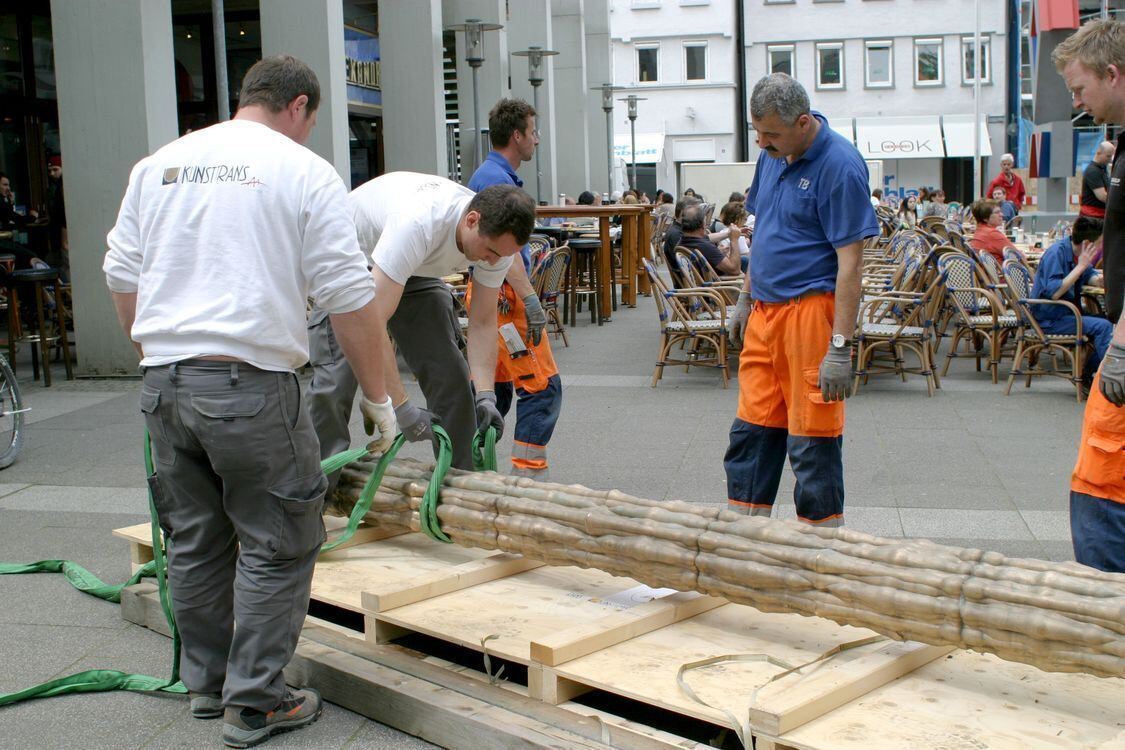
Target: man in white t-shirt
<point x="221" y="237"/>
<point x="416" y="229"/>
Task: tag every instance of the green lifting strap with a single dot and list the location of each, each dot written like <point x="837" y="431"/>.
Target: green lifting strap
<point x="334" y="463"/>
<point x="484" y="450"/>
<point x="427" y="512"/>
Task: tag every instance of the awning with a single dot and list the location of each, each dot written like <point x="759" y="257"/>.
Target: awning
<point x="898" y="137"/>
<point x="959" y="136"/>
<point x="845" y="126"/>
<point x="650" y="148"/>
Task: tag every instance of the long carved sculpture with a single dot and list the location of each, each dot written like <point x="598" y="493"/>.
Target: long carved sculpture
<point x="1057" y="616"/>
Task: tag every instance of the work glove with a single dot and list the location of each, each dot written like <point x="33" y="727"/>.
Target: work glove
<point x="835" y="378"/>
<point x="536" y="318"/>
<point x="1113" y="374"/>
<point x="738" y="320"/>
<point x="379" y="422"/>
<point x="487" y="413"/>
<point x="415" y="423"/>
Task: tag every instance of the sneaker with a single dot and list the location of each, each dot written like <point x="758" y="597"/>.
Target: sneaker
<point x="206" y="705"/>
<point x="246" y="727"/>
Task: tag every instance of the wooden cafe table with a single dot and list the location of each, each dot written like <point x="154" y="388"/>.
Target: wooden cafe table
<point x="635" y="238"/>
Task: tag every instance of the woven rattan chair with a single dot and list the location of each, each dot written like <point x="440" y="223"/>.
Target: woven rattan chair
<point x="979" y="314"/>
<point x="550" y="277"/>
<point x="893" y="323"/>
<point x="705" y="339"/>
<point x="695" y="271"/>
<point x="1033" y="343"/>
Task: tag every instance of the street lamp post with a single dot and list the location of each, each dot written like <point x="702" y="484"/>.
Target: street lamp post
<point x="607" y="90"/>
<point x="535" y="57"/>
<point x="474" y="30"/>
<point x="632" y="100"/>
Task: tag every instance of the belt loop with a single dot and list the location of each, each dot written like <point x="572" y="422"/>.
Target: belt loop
<point x="172" y="372"/>
<point x="234" y="373"/>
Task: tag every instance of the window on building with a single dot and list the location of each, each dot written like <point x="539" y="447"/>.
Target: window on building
<point x="968" y="62"/>
<point x="830" y="65"/>
<point x="11" y="65"/>
<point x="695" y="61"/>
<point x="647" y="63"/>
<point x="927" y="62"/>
<point x="781" y="59"/>
<point x="643" y="4"/>
<point x="879" y="68"/>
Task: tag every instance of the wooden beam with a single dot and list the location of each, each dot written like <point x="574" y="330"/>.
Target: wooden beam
<point x="448" y="580"/>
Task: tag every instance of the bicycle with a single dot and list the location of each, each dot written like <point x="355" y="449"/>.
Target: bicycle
<point x="11" y="415"/>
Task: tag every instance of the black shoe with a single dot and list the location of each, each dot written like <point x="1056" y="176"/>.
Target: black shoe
<point x="246" y="727"/>
<point x="206" y="705"/>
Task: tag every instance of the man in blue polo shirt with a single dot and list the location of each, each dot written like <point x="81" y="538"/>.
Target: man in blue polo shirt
<point x="1064" y="269"/>
<point x="810" y="200"/>
<point x="533" y="380"/>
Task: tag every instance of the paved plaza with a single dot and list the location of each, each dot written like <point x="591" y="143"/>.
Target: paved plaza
<point x="967" y="467"/>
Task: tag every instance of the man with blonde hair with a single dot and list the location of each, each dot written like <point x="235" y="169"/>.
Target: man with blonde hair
<point x="1092" y="61"/>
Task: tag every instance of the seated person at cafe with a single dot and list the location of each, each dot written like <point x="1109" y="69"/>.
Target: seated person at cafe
<point x="988" y="238"/>
<point x="734" y="214"/>
<point x="1007" y="208"/>
<point x="1064" y="269"/>
<point x="664" y="204"/>
<point x="695" y="236"/>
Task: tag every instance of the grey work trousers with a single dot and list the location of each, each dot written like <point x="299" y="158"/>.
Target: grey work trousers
<point x="239" y="493"/>
<point x="425" y="329"/>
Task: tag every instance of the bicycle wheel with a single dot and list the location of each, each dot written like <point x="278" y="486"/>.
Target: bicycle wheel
<point x="11" y="415"/>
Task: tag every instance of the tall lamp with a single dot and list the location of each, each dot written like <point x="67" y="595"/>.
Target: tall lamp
<point x="607" y="90"/>
<point x="535" y="57"/>
<point x="474" y="30"/>
<point x="632" y="100"/>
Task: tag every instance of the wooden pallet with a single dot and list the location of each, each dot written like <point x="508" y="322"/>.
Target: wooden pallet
<point x="578" y="631"/>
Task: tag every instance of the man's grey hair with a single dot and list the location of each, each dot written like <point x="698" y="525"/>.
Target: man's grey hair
<point x="692" y="218"/>
<point x="1007" y="157"/>
<point x="781" y="95"/>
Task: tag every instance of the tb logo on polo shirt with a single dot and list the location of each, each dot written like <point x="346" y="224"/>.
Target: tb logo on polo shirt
<point x="804" y="183"/>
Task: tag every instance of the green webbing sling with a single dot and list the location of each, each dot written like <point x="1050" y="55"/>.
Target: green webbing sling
<point x="484" y="450"/>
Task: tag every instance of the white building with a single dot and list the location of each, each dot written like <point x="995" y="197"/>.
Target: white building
<point x="896" y="75"/>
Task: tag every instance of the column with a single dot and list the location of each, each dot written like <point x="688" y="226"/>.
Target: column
<point x="410" y="47"/>
<point x="572" y="143"/>
<point x="313" y="31"/>
<point x="530" y="25"/>
<point x="599" y="70"/>
<point x="117" y="104"/>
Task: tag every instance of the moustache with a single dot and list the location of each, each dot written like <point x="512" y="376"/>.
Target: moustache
<point x="771" y="149"/>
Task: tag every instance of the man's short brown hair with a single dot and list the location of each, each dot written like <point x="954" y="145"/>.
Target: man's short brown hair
<point x="504" y="209"/>
<point x="1097" y="45"/>
<point x="273" y="82"/>
<point x="508" y="116"/>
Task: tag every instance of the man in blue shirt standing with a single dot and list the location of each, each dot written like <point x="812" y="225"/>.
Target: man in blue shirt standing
<point x="813" y="214"/>
<point x="533" y="379"/>
<point x="1064" y="269"/>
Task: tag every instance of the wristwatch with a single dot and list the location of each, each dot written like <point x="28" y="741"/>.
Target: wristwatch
<point x="839" y="342"/>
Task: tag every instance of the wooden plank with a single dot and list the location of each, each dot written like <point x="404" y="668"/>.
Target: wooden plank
<point x="796" y="699"/>
<point x="544" y="684"/>
<point x="614" y="628"/>
<point x="447" y="580"/>
<point x="140" y="605"/>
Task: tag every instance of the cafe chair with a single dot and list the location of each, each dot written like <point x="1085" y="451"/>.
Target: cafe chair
<point x="48" y="329"/>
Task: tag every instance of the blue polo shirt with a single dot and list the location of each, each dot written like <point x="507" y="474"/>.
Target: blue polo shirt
<point x="804" y="211"/>
<point x="495" y="170"/>
<point x="1054" y="266"/>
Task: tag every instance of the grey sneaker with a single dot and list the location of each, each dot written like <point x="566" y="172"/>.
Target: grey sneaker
<point x="246" y="727"/>
<point x="206" y="705"/>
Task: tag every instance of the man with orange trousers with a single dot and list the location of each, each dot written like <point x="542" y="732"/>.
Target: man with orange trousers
<point x="532" y="379"/>
<point x="1093" y="63"/>
<point x="810" y="199"/>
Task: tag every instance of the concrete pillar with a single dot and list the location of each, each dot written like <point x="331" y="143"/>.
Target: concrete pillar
<point x="413" y="86"/>
<point x="572" y="141"/>
<point x="530" y="26"/>
<point x="599" y="70"/>
<point x="492" y="76"/>
<point x="313" y="31"/>
<point x="117" y="104"/>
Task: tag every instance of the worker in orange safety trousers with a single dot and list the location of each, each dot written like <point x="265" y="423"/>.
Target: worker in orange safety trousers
<point x="1092" y="61"/>
<point x="812" y="216"/>
<point x="529" y="376"/>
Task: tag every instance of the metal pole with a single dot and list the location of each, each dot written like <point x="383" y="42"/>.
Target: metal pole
<point x="476" y="123"/>
<point x="976" y="102"/>
<point x="219" y="32"/>
<point x="633" y="137"/>
<point x="538" y="185"/>
<point x="609" y="145"/>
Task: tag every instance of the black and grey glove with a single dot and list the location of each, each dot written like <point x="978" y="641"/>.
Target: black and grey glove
<point x="836" y="374"/>
<point x="739" y="317"/>
<point x="1113" y="374"/>
<point x="536" y="317"/>
<point x="487" y="413"/>
<point x="415" y="423"/>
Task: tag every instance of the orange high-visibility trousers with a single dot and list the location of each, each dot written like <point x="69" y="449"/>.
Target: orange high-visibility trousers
<point x="1097" y="486"/>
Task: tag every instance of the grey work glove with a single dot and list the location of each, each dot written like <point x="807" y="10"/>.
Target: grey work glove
<point x="738" y="320"/>
<point x="836" y="374"/>
<point x="536" y="318"/>
<point x="379" y="422"/>
<point x="487" y="413"/>
<point x="1113" y="375"/>
<point x="415" y="423"/>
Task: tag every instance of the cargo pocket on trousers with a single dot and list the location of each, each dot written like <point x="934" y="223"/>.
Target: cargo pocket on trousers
<point x="150" y="406"/>
<point x="302" y="526"/>
<point x="1102" y="461"/>
<point x="821" y="418"/>
<point x="160" y="502"/>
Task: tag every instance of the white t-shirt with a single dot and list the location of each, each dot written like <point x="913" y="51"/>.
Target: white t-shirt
<point x="407" y="223"/>
<point x="223" y="234"/>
